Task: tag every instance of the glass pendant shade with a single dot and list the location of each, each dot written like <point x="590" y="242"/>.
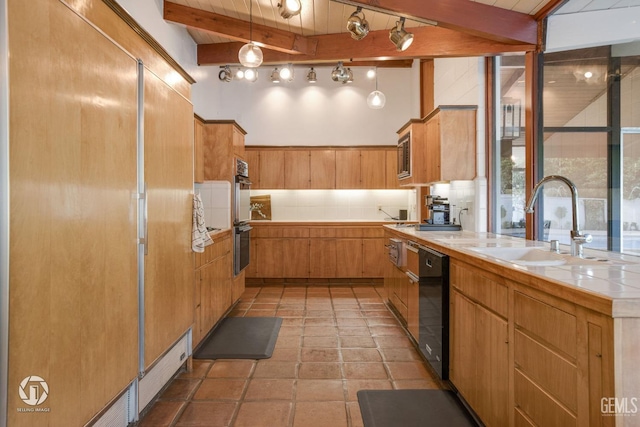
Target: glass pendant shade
<point x="376" y="100"/>
<point x="250" y="55"/>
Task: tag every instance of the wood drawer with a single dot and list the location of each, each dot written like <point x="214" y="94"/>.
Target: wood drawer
<point x="322" y="232"/>
<point x="540" y="407"/>
<point x="400" y="306"/>
<point x="375" y="232"/>
<point x="296" y="233"/>
<point x="267" y="232"/>
<point x="547" y="324"/>
<point x="349" y="233"/>
<point x="554" y="374"/>
<point x="480" y="288"/>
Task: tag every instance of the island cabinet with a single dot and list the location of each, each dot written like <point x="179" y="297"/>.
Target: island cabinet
<point x="523" y="357"/>
<point x="300" y="251"/>
<point x="214" y="293"/>
<point x="479" y="342"/>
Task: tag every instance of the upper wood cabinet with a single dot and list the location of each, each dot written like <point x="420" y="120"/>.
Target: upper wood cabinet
<point x="322" y="169"/>
<point x="451" y="144"/>
<point x="319" y="168"/>
<point x="373" y="169"/>
<point x="442" y="145"/>
<point x="348" y="169"/>
<point x="296" y="169"/>
<point x="223" y="141"/>
<point x="272" y="169"/>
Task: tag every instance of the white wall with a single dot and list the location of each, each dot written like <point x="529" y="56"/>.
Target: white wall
<point x="460" y="81"/>
<point x="300" y="113"/>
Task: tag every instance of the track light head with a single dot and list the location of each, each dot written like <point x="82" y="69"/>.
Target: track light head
<point x="289" y="8"/>
<point x="357" y="26"/>
<point x="400" y="37"/>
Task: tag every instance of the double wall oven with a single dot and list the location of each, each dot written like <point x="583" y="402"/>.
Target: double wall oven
<point x="241" y="217"/>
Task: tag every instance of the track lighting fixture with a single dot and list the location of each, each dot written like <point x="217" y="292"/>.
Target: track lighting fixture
<point x="251" y="75"/>
<point x="357" y="26"/>
<point x="376" y="99"/>
<point x="400" y="37"/>
<point x="275" y="75"/>
<point x="311" y="76"/>
<point x="250" y="55"/>
<point x="289" y="8"/>
<point x="225" y="74"/>
<point x="286" y="73"/>
<point x="341" y="74"/>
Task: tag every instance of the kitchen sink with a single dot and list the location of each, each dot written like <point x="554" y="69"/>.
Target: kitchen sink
<point x="537" y="256"/>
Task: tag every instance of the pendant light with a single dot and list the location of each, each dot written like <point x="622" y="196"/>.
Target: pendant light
<point x="376" y="99"/>
<point x="250" y="55"/>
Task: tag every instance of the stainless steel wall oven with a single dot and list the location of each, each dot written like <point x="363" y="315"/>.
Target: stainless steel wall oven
<point x="241" y="217"/>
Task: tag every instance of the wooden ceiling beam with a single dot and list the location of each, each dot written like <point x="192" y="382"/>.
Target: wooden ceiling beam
<point x="239" y="30"/>
<point x="428" y="42"/>
<point x="473" y="18"/>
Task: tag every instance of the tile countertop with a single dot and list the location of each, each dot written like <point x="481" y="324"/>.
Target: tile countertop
<point x="609" y="275"/>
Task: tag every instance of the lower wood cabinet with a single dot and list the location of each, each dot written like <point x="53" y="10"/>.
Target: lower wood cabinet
<point x="215" y="287"/>
<point x="316" y="252"/>
<point x="557" y="354"/>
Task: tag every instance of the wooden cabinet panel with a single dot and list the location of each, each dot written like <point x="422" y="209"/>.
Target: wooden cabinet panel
<point x="479" y="287"/>
<point x="252" y="157"/>
<point x="296" y="258"/>
<point x="272" y="169"/>
<point x="348" y="258"/>
<point x="373" y="257"/>
<point x="72" y="272"/>
<point x="373" y="164"/>
<point x="296" y="169"/>
<point x="552" y="372"/>
<point x="322" y="258"/>
<point x="237" y="139"/>
<point x="348" y="170"/>
<point x="391" y="166"/>
<point x="548" y="323"/>
<point x="538" y="405"/>
<point x="323" y="169"/>
<point x="413" y="309"/>
<point x="492" y="371"/>
<point x="168" y="128"/>
<point x="462" y="363"/>
<point x="198" y="150"/>
<point x="270" y="256"/>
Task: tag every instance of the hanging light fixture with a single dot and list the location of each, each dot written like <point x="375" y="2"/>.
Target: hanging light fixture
<point x="289" y="8"/>
<point x="311" y="76"/>
<point x="349" y="76"/>
<point x="400" y="37"/>
<point x="250" y="55"/>
<point x="357" y="26"/>
<point x="376" y="99"/>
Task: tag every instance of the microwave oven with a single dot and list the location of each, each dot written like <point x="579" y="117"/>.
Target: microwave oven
<point x="404" y="156"/>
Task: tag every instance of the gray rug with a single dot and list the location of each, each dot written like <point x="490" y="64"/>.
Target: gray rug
<point x="241" y="338"/>
<point x="412" y="408"/>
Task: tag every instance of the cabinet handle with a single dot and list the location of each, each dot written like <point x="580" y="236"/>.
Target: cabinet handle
<point x="599" y="355"/>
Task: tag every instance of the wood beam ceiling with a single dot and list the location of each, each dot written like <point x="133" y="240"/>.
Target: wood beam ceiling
<point x="428" y="42"/>
<point x="242" y="31"/>
<point x="469" y="17"/>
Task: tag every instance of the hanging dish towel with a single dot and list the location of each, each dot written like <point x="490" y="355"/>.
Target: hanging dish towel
<point x="199" y="235"/>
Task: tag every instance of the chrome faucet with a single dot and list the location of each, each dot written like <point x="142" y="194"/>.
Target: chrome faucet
<point x="577" y="237"/>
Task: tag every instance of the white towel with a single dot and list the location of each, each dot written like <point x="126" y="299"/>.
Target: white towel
<point x="199" y="234"/>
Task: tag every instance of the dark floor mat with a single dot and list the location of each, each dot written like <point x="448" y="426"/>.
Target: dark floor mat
<point x="412" y="408"/>
<point x="241" y="338"/>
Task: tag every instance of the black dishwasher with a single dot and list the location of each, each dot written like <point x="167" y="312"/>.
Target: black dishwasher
<point x="433" y="308"/>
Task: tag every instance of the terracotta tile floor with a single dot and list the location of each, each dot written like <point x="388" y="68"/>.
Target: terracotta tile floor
<point x="333" y="342"/>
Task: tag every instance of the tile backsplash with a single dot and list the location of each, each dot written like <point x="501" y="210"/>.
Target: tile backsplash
<point x="216" y="198"/>
<point x="338" y="205"/>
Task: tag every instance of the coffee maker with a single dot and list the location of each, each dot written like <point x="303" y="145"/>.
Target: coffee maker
<point x="439" y="210"/>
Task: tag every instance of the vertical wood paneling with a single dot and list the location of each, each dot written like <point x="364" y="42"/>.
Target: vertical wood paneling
<point x="73" y="248"/>
<point x="168" y="125"/>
